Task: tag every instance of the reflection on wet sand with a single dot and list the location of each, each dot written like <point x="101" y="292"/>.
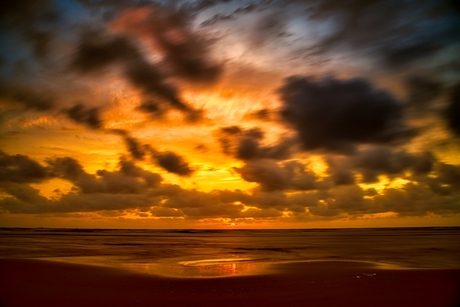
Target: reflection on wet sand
<point x="206" y="268"/>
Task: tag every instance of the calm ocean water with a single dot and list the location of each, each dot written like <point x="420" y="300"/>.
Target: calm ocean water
<point x="231" y="252"/>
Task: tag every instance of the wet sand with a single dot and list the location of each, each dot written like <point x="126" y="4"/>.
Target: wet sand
<point x="46" y="283"/>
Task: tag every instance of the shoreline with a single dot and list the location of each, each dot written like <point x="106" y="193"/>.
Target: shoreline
<point x="30" y="282"/>
<point x="214" y="267"/>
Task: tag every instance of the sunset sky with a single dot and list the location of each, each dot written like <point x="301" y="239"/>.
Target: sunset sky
<point x="229" y="114"/>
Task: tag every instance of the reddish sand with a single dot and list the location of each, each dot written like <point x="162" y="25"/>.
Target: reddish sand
<point x="41" y="283"/>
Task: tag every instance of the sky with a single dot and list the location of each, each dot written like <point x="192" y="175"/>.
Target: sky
<point x="229" y="114"/>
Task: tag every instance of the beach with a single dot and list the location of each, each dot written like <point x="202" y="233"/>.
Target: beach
<point x="27" y="282"/>
<point x="310" y="267"/>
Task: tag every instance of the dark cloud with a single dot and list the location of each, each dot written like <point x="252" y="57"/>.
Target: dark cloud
<point x="151" y="107"/>
<point x="381" y="160"/>
<point x="422" y="197"/>
<point x="25" y="199"/>
<point x="36" y="101"/>
<point x="248" y="147"/>
<point x="417" y="199"/>
<point x="196" y="204"/>
<point x="40" y="42"/>
<point x="145" y="77"/>
<point x="121" y="189"/>
<point x="347" y="199"/>
<point x="185" y="53"/>
<point x="449" y="174"/>
<point x="422" y="89"/>
<point x="343" y="177"/>
<point x="218" y="18"/>
<point x="422" y="164"/>
<point x="246" y="144"/>
<point x="99" y="3"/>
<point x="129" y="179"/>
<point x="400" y="55"/>
<point x="336" y="115"/>
<point x="374" y="161"/>
<point x="46" y="100"/>
<point x="97" y="52"/>
<point x="202" y="148"/>
<point x="401" y="32"/>
<point x="28" y="98"/>
<point x="269" y="27"/>
<point x="173" y="163"/>
<point x="70" y="169"/>
<point x="243" y="144"/>
<point x="130" y="169"/>
<point x="25" y="11"/>
<point x="134" y="147"/>
<point x="452" y="113"/>
<point x="169" y="161"/>
<point x="129" y="187"/>
<point x="271" y="176"/>
<point x="340" y="171"/>
<point x="263" y="114"/>
<point x="121" y="183"/>
<point x="34" y="22"/>
<point x="21" y="169"/>
<point x="66" y="168"/>
<point x="89" y="116"/>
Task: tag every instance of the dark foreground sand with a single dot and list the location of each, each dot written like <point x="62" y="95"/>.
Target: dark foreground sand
<point x="40" y="283"/>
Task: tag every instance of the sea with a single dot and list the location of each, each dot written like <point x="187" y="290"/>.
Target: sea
<point x="220" y="253"/>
